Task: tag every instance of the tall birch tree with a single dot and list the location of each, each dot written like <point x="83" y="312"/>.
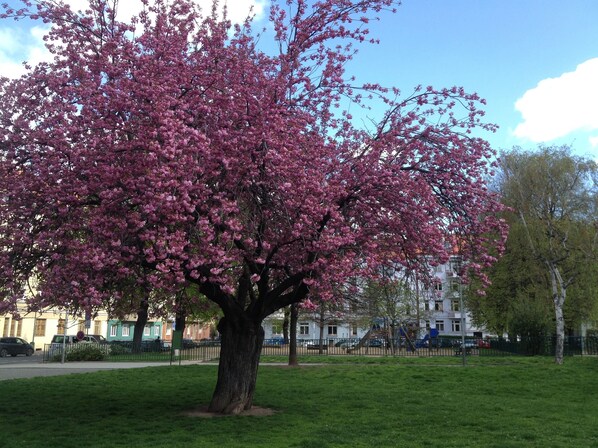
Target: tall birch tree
<point x="553" y="195"/>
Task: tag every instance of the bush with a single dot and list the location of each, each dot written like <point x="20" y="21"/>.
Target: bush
<point x="86" y="352"/>
<point x="118" y="349"/>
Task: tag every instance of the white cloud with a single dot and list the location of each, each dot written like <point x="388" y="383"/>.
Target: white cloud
<point x="593" y="141"/>
<point x="18" y="45"/>
<point x="557" y="107"/>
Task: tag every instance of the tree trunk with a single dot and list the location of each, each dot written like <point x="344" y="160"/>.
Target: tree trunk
<point x="559" y="293"/>
<point x="560" y="334"/>
<point x="321" y="340"/>
<point x="140" y="325"/>
<point x="240" y="348"/>
<point x="293" y="333"/>
<point x="180" y="320"/>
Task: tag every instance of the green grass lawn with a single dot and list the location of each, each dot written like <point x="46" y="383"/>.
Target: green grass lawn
<point x="388" y="402"/>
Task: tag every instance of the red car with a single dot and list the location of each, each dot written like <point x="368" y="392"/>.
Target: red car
<point x="482" y="343"/>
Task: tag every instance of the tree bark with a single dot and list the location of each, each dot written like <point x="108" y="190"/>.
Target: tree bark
<point x="293" y="330"/>
<point x="241" y="345"/>
<point x="559" y="293"/>
<point x="321" y="339"/>
<point x="140" y="324"/>
<point x="180" y="320"/>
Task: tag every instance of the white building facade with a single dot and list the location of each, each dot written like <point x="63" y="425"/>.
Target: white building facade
<point x="440" y="306"/>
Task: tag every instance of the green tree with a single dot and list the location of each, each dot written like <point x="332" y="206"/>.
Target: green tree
<point x="553" y="197"/>
<point x="393" y="298"/>
<point x="517" y="275"/>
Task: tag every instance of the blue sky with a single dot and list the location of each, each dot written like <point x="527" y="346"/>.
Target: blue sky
<point x="513" y="53"/>
<point x="534" y="61"/>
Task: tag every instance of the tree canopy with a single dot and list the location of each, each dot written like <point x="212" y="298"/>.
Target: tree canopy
<point x="553" y="197"/>
<point x="171" y="150"/>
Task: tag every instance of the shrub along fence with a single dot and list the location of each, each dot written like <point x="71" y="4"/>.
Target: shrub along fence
<point x="126" y="351"/>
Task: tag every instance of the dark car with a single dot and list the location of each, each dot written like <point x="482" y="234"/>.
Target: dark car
<point x="189" y="343"/>
<point x="275" y="341"/>
<point x="14" y="347"/>
<point x="375" y="343"/>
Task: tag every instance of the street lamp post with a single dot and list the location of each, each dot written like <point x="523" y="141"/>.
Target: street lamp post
<point x="457" y="278"/>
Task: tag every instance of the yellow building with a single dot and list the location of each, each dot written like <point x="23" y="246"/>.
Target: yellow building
<point x="39" y="328"/>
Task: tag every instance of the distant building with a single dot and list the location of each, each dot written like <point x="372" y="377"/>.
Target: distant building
<point x="437" y="307"/>
<point x="39" y="328"/>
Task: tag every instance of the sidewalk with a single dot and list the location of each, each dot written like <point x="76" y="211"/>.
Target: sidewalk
<point x="35" y="369"/>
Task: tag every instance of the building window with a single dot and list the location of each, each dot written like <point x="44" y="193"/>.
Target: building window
<point x="40" y="327"/>
<point x="60" y="327"/>
<point x="113" y="330"/>
<point x="97" y="327"/>
<point x="428" y="325"/>
<point x="353" y="330"/>
<point x="456" y="325"/>
<point x="304" y="328"/>
<point x="81" y="326"/>
<point x="438" y="305"/>
<point x="456" y="265"/>
<point x="125" y="330"/>
<point x="426" y="306"/>
<point x="157" y="330"/>
<point x="440" y="325"/>
<point x="455" y="286"/>
<point x="438" y="286"/>
<point x="146" y="331"/>
<point x="19" y="328"/>
<point x="12" y="327"/>
<point x="332" y="330"/>
<point x="168" y="329"/>
<point x="6" y="326"/>
<point x="277" y="328"/>
<point x="454" y="305"/>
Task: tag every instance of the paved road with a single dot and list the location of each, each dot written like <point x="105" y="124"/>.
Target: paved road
<point x="32" y="368"/>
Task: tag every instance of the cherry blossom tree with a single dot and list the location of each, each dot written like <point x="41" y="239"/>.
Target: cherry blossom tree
<point x="173" y="150"/>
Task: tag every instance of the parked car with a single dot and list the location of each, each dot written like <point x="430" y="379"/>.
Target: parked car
<point x="469" y="343"/>
<point x="15" y="346"/>
<point x="146" y="345"/>
<point x="274" y="341"/>
<point x="94" y="338"/>
<point x="302" y="342"/>
<point x="483" y="343"/>
<point x="209" y="342"/>
<point x="68" y="339"/>
<point x="189" y="343"/>
<point x="347" y="343"/>
<point x="422" y="343"/>
<point x="375" y="343"/>
<point x="314" y="344"/>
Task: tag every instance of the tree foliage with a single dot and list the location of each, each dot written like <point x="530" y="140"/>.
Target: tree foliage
<point x="553" y="196"/>
<point x="171" y="151"/>
<point x="516" y="275"/>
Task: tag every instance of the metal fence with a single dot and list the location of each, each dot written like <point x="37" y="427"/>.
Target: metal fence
<point x="126" y="352"/>
<point x="210" y="351"/>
